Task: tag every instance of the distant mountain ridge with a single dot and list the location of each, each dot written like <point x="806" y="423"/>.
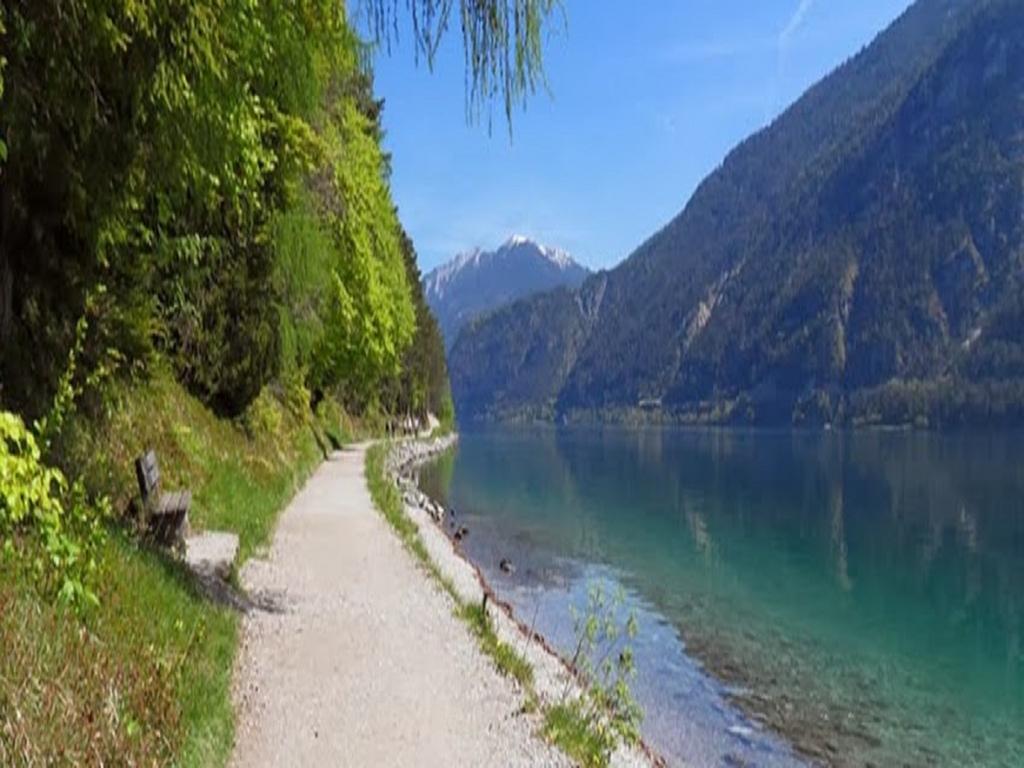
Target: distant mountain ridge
<point x="480" y="281"/>
<point x="861" y="259"/>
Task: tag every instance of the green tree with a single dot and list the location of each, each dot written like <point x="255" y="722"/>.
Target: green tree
<point x="422" y="386"/>
<point x="503" y="42"/>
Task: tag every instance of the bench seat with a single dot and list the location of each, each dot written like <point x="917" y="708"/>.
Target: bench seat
<point x="170" y="503"/>
<point x="165" y="513"/>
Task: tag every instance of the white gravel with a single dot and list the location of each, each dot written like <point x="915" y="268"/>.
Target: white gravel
<point x="356" y="659"/>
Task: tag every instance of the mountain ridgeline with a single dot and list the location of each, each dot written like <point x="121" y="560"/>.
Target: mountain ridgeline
<point x="861" y="260"/>
<point x="474" y="283"/>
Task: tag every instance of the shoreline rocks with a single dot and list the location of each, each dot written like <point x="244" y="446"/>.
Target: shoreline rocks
<point x="402" y="463"/>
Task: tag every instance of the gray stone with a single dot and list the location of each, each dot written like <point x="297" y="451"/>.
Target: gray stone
<point x="212" y="554"/>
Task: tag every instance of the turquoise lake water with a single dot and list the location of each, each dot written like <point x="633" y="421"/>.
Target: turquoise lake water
<point x="860" y="594"/>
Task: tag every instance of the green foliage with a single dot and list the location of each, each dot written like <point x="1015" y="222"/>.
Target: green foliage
<point x="508" y="661"/>
<point x="264" y="417"/>
<point x="50" y="528"/>
<point x="446" y="411"/>
<point x="371" y="320"/>
<point x="591" y="726"/>
<point x="503" y="42"/>
<point x="196" y="184"/>
<point x="216" y="167"/>
<point x="47" y="525"/>
<point x="144" y="677"/>
<point x="422" y="387"/>
<point x="303" y="276"/>
<point x="568" y="727"/>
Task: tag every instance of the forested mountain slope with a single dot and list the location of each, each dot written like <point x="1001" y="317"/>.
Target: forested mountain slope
<point x="861" y="258"/>
<point x="474" y="283"/>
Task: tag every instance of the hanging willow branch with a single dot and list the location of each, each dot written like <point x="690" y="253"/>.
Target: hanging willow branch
<point x="502" y="40"/>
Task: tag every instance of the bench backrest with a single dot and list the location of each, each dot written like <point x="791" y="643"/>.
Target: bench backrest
<point x="147" y="471"/>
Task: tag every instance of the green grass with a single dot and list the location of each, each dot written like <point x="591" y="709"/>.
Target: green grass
<point x="388" y="500"/>
<point x="240" y="476"/>
<point x="567" y="727"/>
<point x="142" y="679"/>
<point x="508" y="661"/>
<point x="145" y="678"/>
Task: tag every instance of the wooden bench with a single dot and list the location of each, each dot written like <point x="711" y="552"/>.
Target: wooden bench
<point x="165" y="514"/>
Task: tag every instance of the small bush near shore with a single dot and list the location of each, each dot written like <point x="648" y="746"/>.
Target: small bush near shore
<point x="568" y="727"/>
<point x="590" y="726"/>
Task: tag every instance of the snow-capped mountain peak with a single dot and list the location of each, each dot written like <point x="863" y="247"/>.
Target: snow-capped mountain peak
<point x="557" y="256"/>
<point x="477" y="280"/>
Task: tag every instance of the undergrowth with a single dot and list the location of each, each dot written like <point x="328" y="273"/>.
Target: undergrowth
<point x="567" y="725"/>
<point x="143" y="676"/>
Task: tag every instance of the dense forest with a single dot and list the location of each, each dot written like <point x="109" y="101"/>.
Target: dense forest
<point x="199" y="253"/>
<point x="199" y="187"/>
<point x="202" y="182"/>
<point x="857" y="261"/>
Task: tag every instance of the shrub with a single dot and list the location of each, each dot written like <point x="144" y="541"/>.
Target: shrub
<point x="47" y="525"/>
<point x="589" y="727"/>
<point x="264" y="416"/>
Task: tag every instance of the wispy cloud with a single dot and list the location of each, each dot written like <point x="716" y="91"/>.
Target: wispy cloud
<point x="703" y="50"/>
<point x="699" y="51"/>
<point x="782" y="42"/>
<point x="795" y="22"/>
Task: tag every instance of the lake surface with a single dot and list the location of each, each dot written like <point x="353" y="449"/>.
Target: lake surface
<point x="861" y="594"/>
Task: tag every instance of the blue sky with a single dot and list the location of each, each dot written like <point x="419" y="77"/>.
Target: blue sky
<point x="646" y="98"/>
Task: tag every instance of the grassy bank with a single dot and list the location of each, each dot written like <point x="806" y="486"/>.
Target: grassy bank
<point x="144" y="678"/>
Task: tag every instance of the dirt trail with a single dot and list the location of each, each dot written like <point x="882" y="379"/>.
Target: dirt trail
<point x="356" y="658"/>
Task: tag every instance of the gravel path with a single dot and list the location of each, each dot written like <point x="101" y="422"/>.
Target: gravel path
<point x="355" y="658"/>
